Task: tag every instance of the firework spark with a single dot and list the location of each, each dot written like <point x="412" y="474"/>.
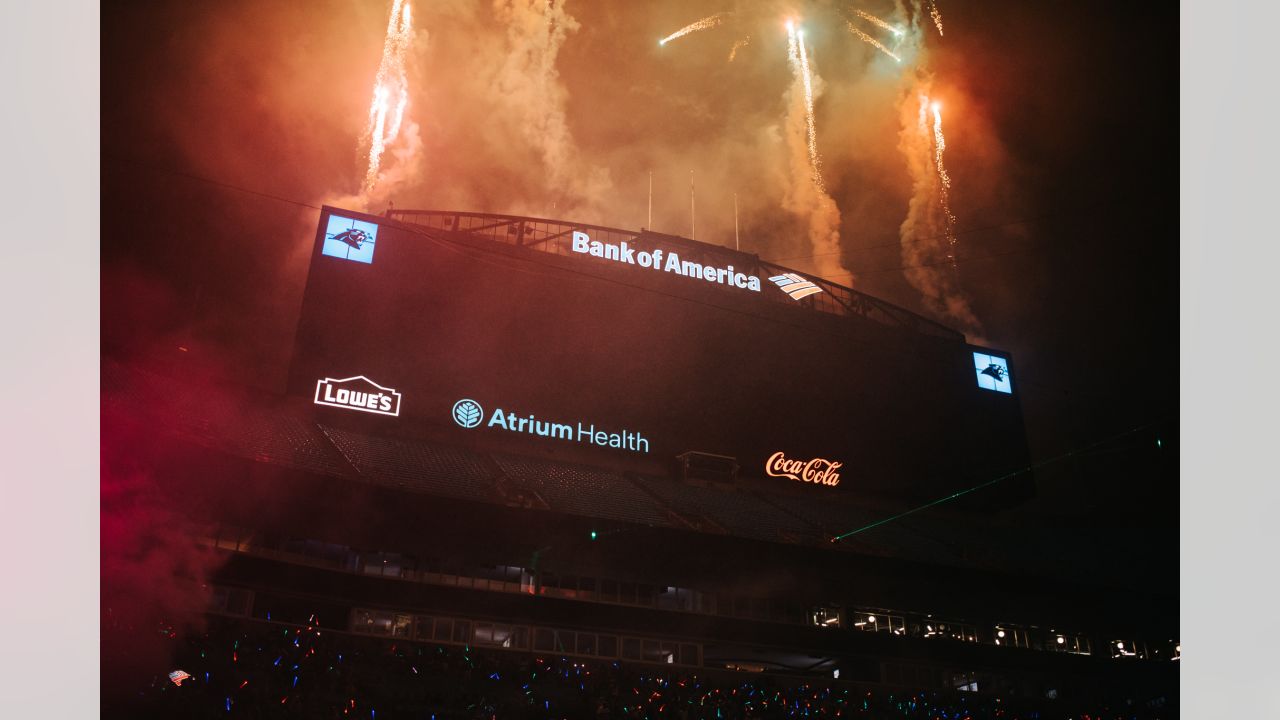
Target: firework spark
<point x="944" y="190"/>
<point x="733" y="52"/>
<point x="877" y="21"/>
<point x="703" y="24"/>
<point x="390" y="81"/>
<point x="936" y="14"/>
<point x="808" y="109"/>
<point x="799" y="58"/>
<point x="872" y="42"/>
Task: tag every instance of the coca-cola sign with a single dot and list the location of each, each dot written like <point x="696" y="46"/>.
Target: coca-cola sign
<point x="818" y="470"/>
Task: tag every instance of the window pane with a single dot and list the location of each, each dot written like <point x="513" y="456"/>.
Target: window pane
<point x="544" y="640"/>
<point x="565" y="641"/>
<point x="607" y="646"/>
<point x="461" y="631"/>
<point x="653" y="651"/>
<point x="631" y="648"/>
<point x="689" y="655"/>
<point x="362" y="621"/>
<point x="519" y="638"/>
<point x="586" y="643"/>
<point x="444" y="629"/>
<point x="403" y="626"/>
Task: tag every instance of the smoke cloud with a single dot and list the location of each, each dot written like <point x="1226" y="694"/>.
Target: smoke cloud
<point x="805" y="195"/>
<point x="531" y="101"/>
<point x="927" y="232"/>
<point x="536" y="107"/>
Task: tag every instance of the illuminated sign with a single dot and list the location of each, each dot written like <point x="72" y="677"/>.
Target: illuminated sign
<point x="349" y="239"/>
<point x="659" y="260"/>
<point x="469" y="414"/>
<point x="818" y="470"/>
<point x="358" y="393"/>
<point x="992" y="372"/>
<point x="794" y="285"/>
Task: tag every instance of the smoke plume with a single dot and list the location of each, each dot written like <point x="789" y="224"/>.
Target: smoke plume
<point x="926" y="232"/>
<point x="805" y="195"/>
<point x="530" y="97"/>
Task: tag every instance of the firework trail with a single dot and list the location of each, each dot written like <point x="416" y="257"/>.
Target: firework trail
<point x="936" y="14"/>
<point x="877" y="21"/>
<point x="808" y="109"/>
<point x="733" y="52"/>
<point x="799" y="60"/>
<point x="703" y="24"/>
<point x="928" y="231"/>
<point x="806" y="197"/>
<point x="872" y="42"/>
<point x="944" y="190"/>
<point x="390" y="81"/>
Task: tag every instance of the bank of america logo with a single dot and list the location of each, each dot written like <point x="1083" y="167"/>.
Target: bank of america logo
<point x="467" y="413"/>
<point x="794" y="285"/>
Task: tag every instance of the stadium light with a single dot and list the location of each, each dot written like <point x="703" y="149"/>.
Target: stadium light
<point x="999" y="633"/>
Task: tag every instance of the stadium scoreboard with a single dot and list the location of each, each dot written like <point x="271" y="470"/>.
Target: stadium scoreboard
<point x="628" y="353"/>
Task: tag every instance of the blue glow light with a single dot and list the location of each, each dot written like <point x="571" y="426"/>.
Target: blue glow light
<point x="992" y="372"/>
<point x="349" y="239"/>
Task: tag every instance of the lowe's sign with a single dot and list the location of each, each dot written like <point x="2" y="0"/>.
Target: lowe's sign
<point x="659" y="260"/>
<point x="469" y="414"/>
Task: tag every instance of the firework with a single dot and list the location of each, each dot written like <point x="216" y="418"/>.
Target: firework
<point x="808" y="109"/>
<point x="936" y="14"/>
<point x="703" y="24"/>
<point x="944" y="190"/>
<point x="390" y="81"/>
<point x="733" y="52"/>
<point x="877" y="21"/>
<point x="872" y="42"/>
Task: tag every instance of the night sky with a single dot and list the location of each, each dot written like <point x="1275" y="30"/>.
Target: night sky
<point x="1060" y="142"/>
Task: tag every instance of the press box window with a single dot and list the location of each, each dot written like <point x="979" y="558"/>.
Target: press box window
<point x="349" y="239"/>
<point x="992" y="372"/>
<point x="825" y="617"/>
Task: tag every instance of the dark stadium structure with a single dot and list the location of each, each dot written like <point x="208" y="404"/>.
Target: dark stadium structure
<point x="543" y="441"/>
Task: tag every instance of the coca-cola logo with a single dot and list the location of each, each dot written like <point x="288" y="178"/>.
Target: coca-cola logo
<point x="818" y="470"/>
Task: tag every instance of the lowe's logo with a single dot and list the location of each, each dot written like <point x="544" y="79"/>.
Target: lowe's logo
<point x="358" y="393"/>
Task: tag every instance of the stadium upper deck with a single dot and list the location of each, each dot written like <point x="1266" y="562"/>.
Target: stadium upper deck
<point x="631" y="350"/>
<point x="556" y="237"/>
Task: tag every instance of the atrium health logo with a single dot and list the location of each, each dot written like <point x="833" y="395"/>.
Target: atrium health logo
<point x="467" y="413"/>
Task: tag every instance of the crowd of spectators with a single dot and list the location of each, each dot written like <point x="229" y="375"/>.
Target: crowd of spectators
<point x="260" y="670"/>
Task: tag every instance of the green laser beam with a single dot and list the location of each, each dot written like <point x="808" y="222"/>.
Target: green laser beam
<point x="1015" y="473"/>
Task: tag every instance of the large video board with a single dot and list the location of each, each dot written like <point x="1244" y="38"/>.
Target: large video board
<point x="615" y="354"/>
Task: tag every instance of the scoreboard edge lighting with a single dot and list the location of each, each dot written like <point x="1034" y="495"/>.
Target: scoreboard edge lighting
<point x="362" y="245"/>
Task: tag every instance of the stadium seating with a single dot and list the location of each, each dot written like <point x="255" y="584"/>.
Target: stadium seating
<point x="737" y="512"/>
<point x="584" y="491"/>
<point x="417" y="466"/>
